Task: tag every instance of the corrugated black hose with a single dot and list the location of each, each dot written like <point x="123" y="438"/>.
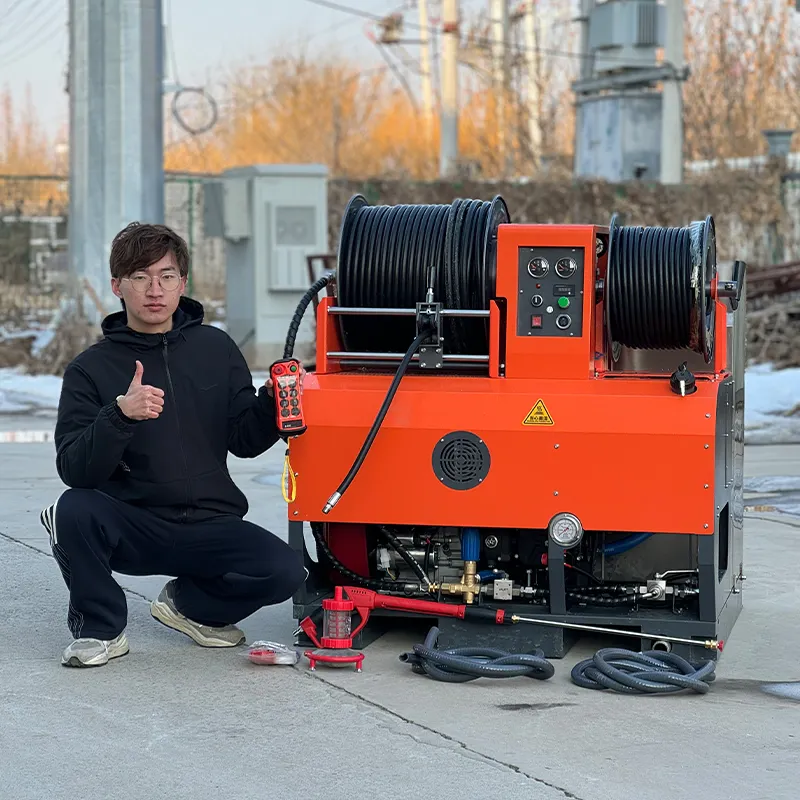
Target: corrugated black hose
<point x="463" y="664"/>
<point x="653" y="672"/>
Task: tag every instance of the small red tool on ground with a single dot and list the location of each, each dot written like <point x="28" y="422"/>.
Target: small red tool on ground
<point x="285" y="376"/>
<point x="271" y="653"/>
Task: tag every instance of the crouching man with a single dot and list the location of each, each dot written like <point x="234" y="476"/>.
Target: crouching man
<point x="146" y="419"/>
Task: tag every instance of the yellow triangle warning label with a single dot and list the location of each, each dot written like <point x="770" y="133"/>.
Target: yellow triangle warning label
<point x="538" y="415"/>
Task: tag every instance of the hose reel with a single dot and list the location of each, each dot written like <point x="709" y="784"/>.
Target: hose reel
<point x="391" y="256"/>
<point x="658" y="287"/>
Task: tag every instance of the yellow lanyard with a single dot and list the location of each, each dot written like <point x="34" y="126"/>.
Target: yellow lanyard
<point x="289" y="485"/>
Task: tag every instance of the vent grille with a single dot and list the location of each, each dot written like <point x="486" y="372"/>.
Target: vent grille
<point x="647" y="25"/>
<point x="461" y="460"/>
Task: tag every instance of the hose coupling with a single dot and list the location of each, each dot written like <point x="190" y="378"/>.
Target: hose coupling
<point x="332" y="501"/>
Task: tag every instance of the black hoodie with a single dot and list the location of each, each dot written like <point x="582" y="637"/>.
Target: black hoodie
<point x="175" y="465"/>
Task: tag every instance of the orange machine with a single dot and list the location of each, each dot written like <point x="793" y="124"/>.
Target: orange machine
<point x="544" y="418"/>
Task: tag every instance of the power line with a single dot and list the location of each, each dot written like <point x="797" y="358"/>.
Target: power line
<point x="232" y="106"/>
<point x="512" y="46"/>
<point x="31" y="44"/>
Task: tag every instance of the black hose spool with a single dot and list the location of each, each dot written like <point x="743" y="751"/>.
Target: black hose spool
<point x="658" y="287"/>
<point x="388" y="255"/>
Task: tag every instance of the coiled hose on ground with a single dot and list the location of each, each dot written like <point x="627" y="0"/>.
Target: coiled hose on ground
<point x="653" y="672"/>
<point x="463" y="664"/>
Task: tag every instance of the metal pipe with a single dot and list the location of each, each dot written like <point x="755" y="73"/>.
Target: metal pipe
<point x="405" y="312"/>
<point x="354" y="363"/>
<point x="708" y="644"/>
<point x="453" y="357"/>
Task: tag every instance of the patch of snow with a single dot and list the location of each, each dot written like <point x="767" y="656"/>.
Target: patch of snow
<point x="769" y="391"/>
<point x="43" y="338"/>
<point x="22" y="393"/>
<point x="766" y="484"/>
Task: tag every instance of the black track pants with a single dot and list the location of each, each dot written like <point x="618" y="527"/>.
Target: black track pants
<point x="226" y="568"/>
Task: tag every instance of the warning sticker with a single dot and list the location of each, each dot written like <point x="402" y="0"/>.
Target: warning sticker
<point x="538" y="415"/>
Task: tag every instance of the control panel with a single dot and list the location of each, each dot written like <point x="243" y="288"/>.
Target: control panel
<point x="550" y="294"/>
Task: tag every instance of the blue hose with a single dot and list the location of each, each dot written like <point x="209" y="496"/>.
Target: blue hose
<point x="623" y="545"/>
<point x="470" y="544"/>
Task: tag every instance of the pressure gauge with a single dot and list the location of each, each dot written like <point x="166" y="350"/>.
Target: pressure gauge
<point x="566" y="268"/>
<point x="566" y="530"/>
<point x="538" y="267"/>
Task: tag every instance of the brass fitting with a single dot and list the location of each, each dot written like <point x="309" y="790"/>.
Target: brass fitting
<point x="470" y="580"/>
<point x="467" y="588"/>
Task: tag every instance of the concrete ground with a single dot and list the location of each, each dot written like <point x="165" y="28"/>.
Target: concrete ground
<point x="174" y="720"/>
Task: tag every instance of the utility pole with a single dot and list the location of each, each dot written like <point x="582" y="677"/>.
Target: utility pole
<point x="425" y="70"/>
<point x="448" y="148"/>
<point x="500" y="76"/>
<point x="116" y="172"/>
<point x="585" y="72"/>
<point x="672" y="116"/>
<point x="586" y="63"/>
<point x="532" y="59"/>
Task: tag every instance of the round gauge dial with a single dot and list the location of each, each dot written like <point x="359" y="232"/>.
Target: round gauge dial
<point x="566" y="530"/>
<point x="566" y="268"/>
<point x="538" y="267"/>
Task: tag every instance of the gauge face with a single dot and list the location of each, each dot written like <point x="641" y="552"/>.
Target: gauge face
<point x="538" y="267"/>
<point x="566" y="268"/>
<point x="565" y="530"/>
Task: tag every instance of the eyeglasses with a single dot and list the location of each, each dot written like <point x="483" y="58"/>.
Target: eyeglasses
<point x="169" y="282"/>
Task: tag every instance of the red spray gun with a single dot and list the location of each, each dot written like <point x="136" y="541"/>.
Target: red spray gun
<point x="334" y="647"/>
<point x="365" y="600"/>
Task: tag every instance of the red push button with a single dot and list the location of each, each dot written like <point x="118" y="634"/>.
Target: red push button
<point x="536" y="322"/>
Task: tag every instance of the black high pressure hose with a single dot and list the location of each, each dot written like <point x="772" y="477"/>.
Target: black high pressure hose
<point x="294" y="325"/>
<point x="386" y="254"/>
<point x="373" y="431"/>
<point x="406" y="556"/>
<point x="389" y="256"/>
<point x="463" y="664"/>
<point x="375" y="584"/>
<point x="658" y="285"/>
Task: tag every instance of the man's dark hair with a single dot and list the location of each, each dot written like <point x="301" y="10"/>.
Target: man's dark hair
<point x="139" y="245"/>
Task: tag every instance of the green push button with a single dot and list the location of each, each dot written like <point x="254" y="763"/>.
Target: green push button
<point x="563" y="302"/>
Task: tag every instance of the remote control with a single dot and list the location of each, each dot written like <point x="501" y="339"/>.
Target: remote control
<point x="285" y="376"/>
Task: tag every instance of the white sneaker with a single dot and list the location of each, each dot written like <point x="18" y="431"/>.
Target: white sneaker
<point x="163" y="609"/>
<point x="94" y="652"/>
